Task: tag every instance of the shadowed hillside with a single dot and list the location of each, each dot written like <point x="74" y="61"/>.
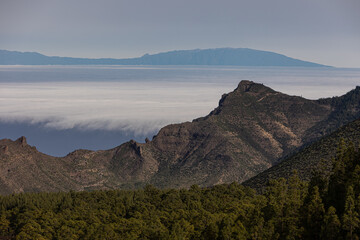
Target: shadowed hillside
<point x="310" y="158"/>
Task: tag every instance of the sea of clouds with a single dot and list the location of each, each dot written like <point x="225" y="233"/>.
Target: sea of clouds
<point x="137" y="107"/>
<point x="141" y="99"/>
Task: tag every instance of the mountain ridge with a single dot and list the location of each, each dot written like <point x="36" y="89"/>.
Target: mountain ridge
<point x="216" y="56"/>
<point x="252" y="128"/>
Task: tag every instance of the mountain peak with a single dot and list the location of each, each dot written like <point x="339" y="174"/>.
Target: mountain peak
<point x="22" y="141"/>
<point x="236" y="99"/>
<point x="245" y="85"/>
<point x="250" y="86"/>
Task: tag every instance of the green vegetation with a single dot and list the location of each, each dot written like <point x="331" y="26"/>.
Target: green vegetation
<point x="326" y="207"/>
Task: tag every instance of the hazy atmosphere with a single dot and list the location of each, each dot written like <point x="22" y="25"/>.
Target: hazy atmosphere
<point x="98" y="107"/>
<point x="163" y="119"/>
<point x="323" y="31"/>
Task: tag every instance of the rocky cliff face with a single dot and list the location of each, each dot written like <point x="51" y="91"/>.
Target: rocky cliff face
<point x="251" y="129"/>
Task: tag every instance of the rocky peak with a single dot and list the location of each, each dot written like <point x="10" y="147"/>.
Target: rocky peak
<point x="136" y="146"/>
<point x="356" y="91"/>
<point x="244" y="86"/>
<point x="250" y="86"/>
<point x="22" y="141"/>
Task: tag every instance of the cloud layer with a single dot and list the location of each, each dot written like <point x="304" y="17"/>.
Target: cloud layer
<point x="141" y="100"/>
<point x="137" y="107"/>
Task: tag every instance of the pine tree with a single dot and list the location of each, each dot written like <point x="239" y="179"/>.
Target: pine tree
<point x="4" y="226"/>
<point x="276" y="197"/>
<point x="350" y="217"/>
<point x="314" y="213"/>
<point x="330" y="229"/>
<point x="293" y="203"/>
<point x="355" y="179"/>
<point x="338" y="179"/>
<point x="320" y="177"/>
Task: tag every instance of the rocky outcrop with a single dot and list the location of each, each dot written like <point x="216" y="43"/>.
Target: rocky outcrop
<point x="22" y="141"/>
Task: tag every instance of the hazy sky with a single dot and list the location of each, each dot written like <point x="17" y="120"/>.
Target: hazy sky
<point x="323" y="31"/>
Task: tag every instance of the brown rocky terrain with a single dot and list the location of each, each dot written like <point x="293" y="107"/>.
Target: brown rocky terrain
<point x="251" y="130"/>
<point x="317" y="156"/>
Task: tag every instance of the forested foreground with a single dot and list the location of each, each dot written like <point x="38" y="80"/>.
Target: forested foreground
<point x="327" y="207"/>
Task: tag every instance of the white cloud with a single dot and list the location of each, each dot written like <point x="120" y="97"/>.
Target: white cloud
<point x="137" y="107"/>
<point x="168" y="95"/>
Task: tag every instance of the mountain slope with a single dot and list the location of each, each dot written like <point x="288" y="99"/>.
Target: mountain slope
<point x="218" y="56"/>
<point x="309" y="158"/>
<point x="251" y="129"/>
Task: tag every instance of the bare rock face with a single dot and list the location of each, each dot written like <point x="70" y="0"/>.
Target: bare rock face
<point x="4" y="149"/>
<point x="22" y="141"/>
<point x="251" y="130"/>
<point x="247" y="86"/>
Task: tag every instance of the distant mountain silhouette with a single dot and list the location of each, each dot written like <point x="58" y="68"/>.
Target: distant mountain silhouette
<point x="217" y="56"/>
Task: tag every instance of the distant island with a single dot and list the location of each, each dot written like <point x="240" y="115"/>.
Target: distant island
<point x="217" y="56"/>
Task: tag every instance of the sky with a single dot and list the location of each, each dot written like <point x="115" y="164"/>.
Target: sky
<point x="322" y="31"/>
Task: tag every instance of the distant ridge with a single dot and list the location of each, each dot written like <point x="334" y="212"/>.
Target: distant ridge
<point x="217" y="56"/>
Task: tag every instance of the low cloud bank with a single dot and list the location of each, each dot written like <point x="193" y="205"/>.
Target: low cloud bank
<point x="144" y="107"/>
<point x="140" y="108"/>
